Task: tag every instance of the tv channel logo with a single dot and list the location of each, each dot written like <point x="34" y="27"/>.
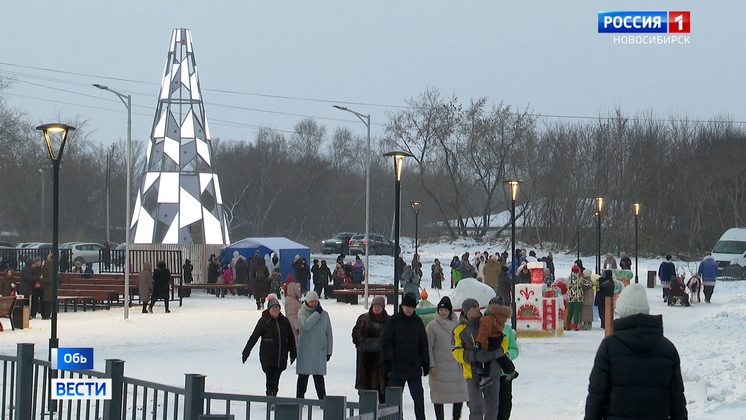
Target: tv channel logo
<point x="81" y="389"/>
<point x="72" y="358"/>
<point x="644" y="22"/>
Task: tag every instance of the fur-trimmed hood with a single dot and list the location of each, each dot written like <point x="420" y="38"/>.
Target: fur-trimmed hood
<point x="497" y="309"/>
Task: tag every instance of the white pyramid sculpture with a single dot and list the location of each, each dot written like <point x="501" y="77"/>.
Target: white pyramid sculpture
<point x="179" y="201"/>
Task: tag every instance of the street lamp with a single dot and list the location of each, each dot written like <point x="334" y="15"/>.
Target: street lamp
<point x="513" y="193"/>
<point x="637" y="213"/>
<point x="56" y="136"/>
<point x="366" y="120"/>
<point x="600" y="203"/>
<point x="128" y="104"/>
<point x="398" y="166"/>
<point x="416" y="206"/>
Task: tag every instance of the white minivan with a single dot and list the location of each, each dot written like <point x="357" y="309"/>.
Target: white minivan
<point x="730" y="250"/>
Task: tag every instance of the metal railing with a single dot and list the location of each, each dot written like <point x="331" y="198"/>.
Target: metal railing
<point x="25" y="393"/>
<point x="114" y="261"/>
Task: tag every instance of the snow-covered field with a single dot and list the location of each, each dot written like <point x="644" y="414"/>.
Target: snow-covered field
<point x="207" y="335"/>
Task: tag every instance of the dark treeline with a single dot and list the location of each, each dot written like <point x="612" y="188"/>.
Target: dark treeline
<point x="688" y="175"/>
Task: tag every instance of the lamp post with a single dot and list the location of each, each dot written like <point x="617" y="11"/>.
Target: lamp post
<point x="56" y="137"/>
<point x="637" y="213"/>
<point x="398" y="166"/>
<point x="600" y="203"/>
<point x="41" y="171"/>
<point x="366" y="120"/>
<point x="416" y="206"/>
<point x="513" y="193"/>
<point x="127" y="101"/>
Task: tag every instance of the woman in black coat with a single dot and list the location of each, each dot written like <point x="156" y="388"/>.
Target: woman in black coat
<point x="637" y="372"/>
<point x="605" y="289"/>
<point x="161" y="283"/>
<point x="277" y="342"/>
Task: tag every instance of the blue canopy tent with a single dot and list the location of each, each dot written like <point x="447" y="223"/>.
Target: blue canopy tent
<point x="285" y="249"/>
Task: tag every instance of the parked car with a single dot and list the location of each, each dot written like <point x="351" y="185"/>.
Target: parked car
<point x="339" y="243"/>
<point x="730" y="253"/>
<point x="379" y="245"/>
<point x="85" y="252"/>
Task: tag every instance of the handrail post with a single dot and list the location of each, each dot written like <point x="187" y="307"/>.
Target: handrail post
<point x="394" y="398"/>
<point x="194" y="396"/>
<point x="287" y="411"/>
<point x="24" y="380"/>
<point x="369" y="402"/>
<point x="334" y="407"/>
<point x="113" y="407"/>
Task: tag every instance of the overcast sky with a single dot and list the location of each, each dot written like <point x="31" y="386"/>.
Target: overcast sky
<point x="372" y="55"/>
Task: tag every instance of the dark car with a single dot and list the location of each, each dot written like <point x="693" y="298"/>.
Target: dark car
<point x="337" y="244"/>
<point x="379" y="245"/>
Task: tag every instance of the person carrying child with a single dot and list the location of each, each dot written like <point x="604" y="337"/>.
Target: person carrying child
<point x="490" y="337"/>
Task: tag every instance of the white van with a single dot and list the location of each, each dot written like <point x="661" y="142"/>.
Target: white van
<point x="731" y="250"/>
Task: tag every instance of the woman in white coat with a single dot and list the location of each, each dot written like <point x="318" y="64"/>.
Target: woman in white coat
<point x="447" y="383"/>
<point x="314" y="345"/>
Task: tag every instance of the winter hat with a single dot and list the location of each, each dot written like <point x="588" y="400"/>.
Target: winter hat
<point x="445" y="302"/>
<point x="633" y="300"/>
<point x="380" y="301"/>
<point x="312" y="295"/>
<point x="505" y="268"/>
<point x="409" y="300"/>
<point x="272" y="302"/>
<point x="467" y="304"/>
<point x="291" y="278"/>
<point x="575" y="269"/>
<point x="587" y="272"/>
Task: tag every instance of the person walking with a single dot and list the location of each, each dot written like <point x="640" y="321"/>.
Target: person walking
<point x="261" y="284"/>
<point x="316" y="343"/>
<point x="605" y="289"/>
<point x="241" y="275"/>
<point x="616" y="388"/>
<point x="293" y="305"/>
<point x="145" y="284"/>
<point x="505" y="405"/>
<point x="483" y="402"/>
<point x="213" y="272"/>
<point x="366" y="336"/>
<point x="436" y="274"/>
<point x="410" y="281"/>
<point x="405" y="353"/>
<point x="36" y="291"/>
<point x="161" y="282"/>
<point x="455" y="272"/>
<point x="8" y="283"/>
<point x="610" y="262"/>
<point x="324" y="277"/>
<point x="277" y="343"/>
<point x="625" y="263"/>
<point x="187" y="270"/>
<point x="504" y="284"/>
<point x="665" y="271"/>
<point x="708" y="272"/>
<point x="447" y="382"/>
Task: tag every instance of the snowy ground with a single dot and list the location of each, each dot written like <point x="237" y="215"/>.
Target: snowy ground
<point x="207" y="335"/>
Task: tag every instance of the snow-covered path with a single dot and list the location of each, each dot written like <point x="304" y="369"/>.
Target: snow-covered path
<point x="207" y="335"/>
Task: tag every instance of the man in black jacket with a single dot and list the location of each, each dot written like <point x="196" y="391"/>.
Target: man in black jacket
<point x="637" y="372"/>
<point x="405" y="352"/>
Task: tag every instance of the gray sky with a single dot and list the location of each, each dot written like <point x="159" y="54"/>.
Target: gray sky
<point x="376" y="54"/>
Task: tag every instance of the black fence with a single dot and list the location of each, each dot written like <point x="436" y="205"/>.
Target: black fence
<point x="16" y="258"/>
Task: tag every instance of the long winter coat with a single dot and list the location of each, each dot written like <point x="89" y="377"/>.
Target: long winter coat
<point x="6" y="283"/>
<point x="292" y="306"/>
<point x="504" y="284"/>
<point x="575" y="287"/>
<point x="605" y="289"/>
<point x="261" y="281"/>
<point x="241" y="275"/>
<point x="27" y="279"/>
<point x="410" y="281"/>
<point x="404" y="346"/>
<point x="447" y="383"/>
<point x="145" y="282"/>
<point x="277" y="341"/>
<point x="708" y="270"/>
<point x="366" y="335"/>
<point x="46" y="279"/>
<point x="315" y="341"/>
<point x="666" y="270"/>
<point x="618" y="390"/>
<point x="213" y="272"/>
<point x="491" y="273"/>
<point x="161" y="282"/>
<point x="586" y="314"/>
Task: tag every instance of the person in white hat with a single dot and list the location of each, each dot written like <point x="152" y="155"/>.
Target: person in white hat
<point x="636" y="364"/>
<point x="315" y="344"/>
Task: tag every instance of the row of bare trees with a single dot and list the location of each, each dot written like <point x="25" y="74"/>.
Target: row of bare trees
<point x="688" y="175"/>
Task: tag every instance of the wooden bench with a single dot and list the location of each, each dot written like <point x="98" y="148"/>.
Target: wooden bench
<point x="84" y="301"/>
<point x="193" y="286"/>
<point x="6" y="308"/>
<point x="351" y="294"/>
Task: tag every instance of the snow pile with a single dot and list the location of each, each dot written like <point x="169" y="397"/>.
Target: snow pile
<point x="471" y="288"/>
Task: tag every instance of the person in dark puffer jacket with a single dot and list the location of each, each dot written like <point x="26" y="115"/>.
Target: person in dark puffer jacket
<point x="637" y="372"/>
<point x="405" y="352"/>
